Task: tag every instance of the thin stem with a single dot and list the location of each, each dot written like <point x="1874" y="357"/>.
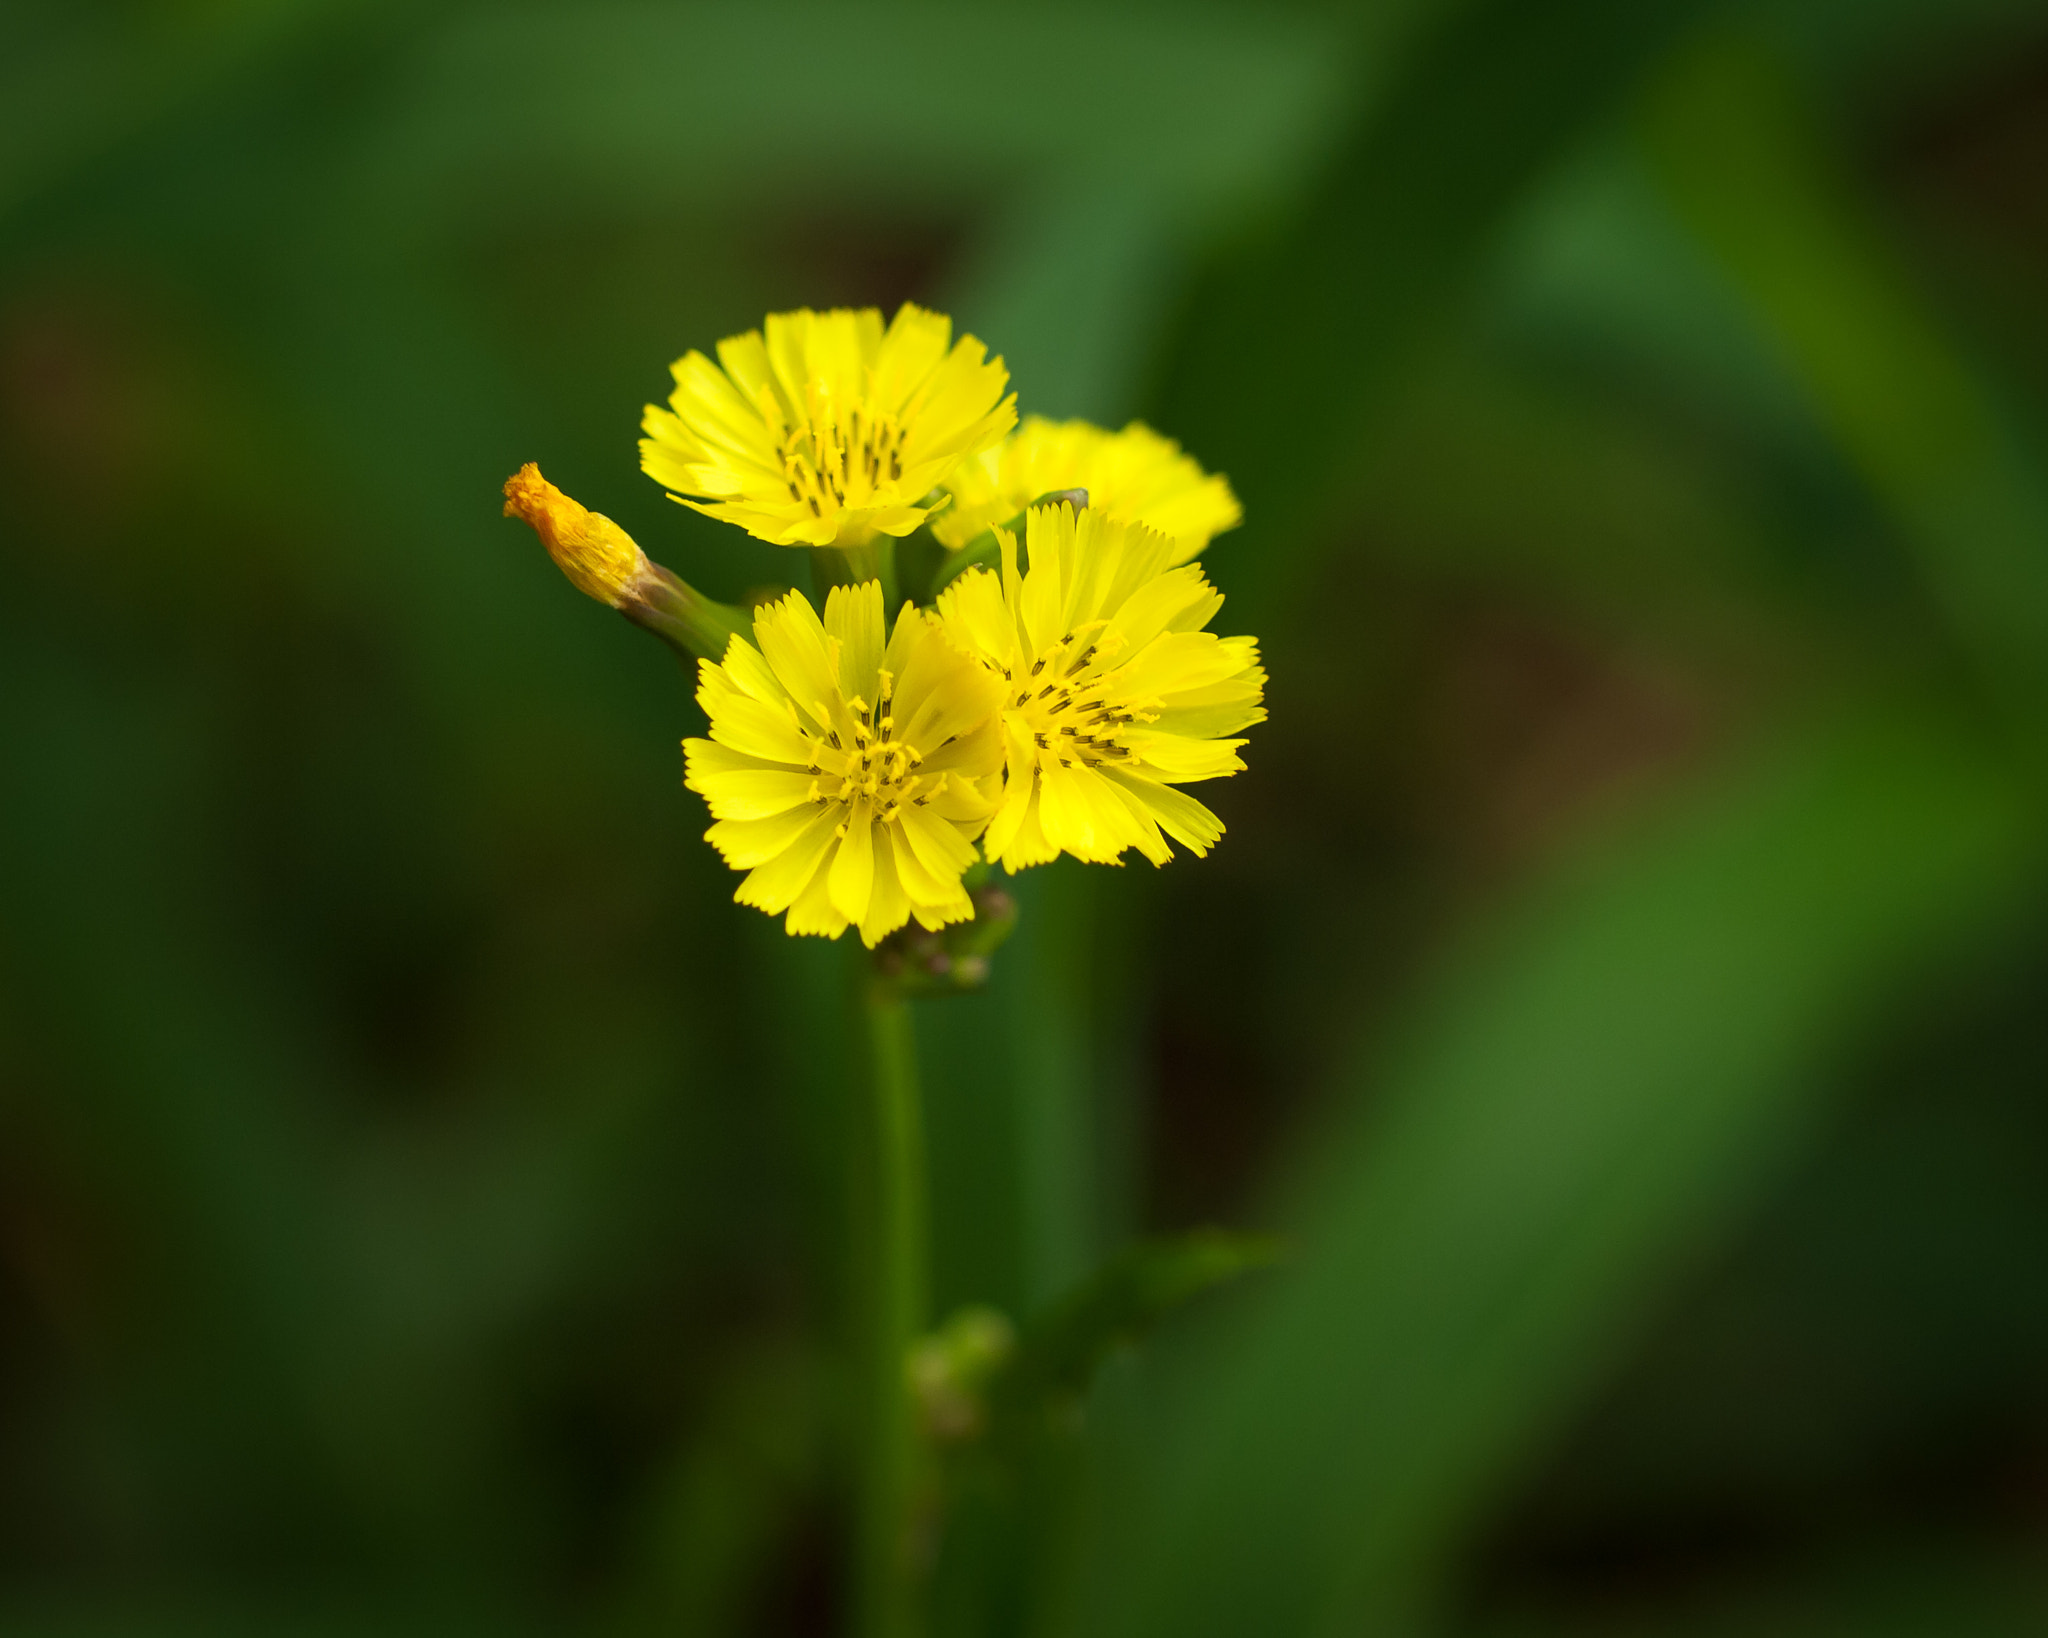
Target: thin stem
<point x="851" y="565"/>
<point x="890" y="1276"/>
<point x="681" y="616"/>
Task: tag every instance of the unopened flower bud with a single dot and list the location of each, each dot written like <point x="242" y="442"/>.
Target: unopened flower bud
<point x="600" y="559"/>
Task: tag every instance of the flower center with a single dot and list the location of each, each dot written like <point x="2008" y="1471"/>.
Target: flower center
<point x="1072" y="707"/>
<point x="869" y="761"/>
<point x="825" y="460"/>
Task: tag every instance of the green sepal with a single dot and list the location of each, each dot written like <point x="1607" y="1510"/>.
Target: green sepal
<point x="955" y="960"/>
<point x="683" y="617"/>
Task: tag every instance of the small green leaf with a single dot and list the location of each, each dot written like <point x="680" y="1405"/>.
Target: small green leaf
<point x="1060" y="1352"/>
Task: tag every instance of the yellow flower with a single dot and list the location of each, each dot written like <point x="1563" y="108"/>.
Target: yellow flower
<point x="830" y="430"/>
<point x="1133" y="474"/>
<point x="847" y="779"/>
<point x="1113" y="693"/>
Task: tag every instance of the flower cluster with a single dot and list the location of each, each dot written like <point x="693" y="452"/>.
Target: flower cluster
<point x="1052" y="698"/>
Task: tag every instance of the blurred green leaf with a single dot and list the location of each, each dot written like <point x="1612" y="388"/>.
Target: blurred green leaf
<point x="307" y="1615"/>
<point x="1747" y="172"/>
<point x="113" y="77"/>
<point x="913" y="102"/>
<point x="1574" y="1114"/>
<point x="1914" y="1589"/>
<point x="720" y="1512"/>
<point x="1058" y="1354"/>
<point x="1286" y="351"/>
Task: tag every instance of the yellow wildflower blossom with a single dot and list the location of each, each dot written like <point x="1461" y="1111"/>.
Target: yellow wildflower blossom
<point x="1113" y="693"/>
<point x="1134" y="474"/>
<point x="848" y="779"/>
<point x="828" y="430"/>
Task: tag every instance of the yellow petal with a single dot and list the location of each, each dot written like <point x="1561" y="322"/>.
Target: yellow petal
<point x="745" y="843"/>
<point x="759" y="794"/>
<point x="853" y="617"/>
<point x="774" y="886"/>
<point x="760" y="730"/>
<point x="1178" y="759"/>
<point x="888" y="904"/>
<point x="1178" y="814"/>
<point x="940" y="849"/>
<point x="812" y="915"/>
<point x="853" y="871"/>
<point x="804" y="658"/>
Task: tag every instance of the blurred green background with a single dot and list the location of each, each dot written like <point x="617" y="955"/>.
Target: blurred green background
<point x="1622" y="984"/>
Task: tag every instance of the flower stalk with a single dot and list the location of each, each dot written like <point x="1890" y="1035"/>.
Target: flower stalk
<point x="681" y="616"/>
<point x="1048" y="689"/>
<point x="890" y="1257"/>
<point x="855" y="565"/>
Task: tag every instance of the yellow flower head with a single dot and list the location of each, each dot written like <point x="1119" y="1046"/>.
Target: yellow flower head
<point x="600" y="559"/>
<point x="829" y="430"/>
<point x="848" y="779"/>
<point x="1133" y="474"/>
<point x="1113" y="692"/>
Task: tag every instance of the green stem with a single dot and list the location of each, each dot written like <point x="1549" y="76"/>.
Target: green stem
<point x="851" y="565"/>
<point x="683" y="617"/>
<point x="890" y="1276"/>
